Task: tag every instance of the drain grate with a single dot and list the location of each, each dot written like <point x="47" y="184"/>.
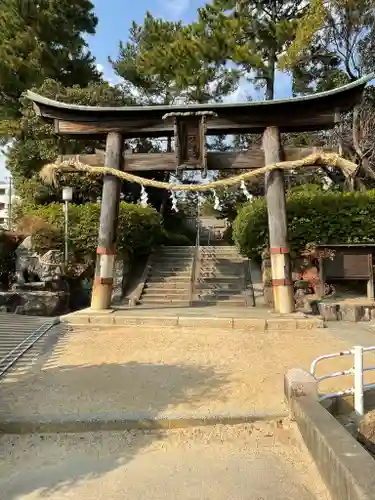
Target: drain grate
<point x="18" y="334"/>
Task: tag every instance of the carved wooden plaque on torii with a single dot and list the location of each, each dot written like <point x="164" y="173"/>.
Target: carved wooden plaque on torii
<point x="190" y="139"/>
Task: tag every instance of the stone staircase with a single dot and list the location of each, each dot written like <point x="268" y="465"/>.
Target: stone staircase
<point x="169" y="279"/>
<point x="221" y="279"/>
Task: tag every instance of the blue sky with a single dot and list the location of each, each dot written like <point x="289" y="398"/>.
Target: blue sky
<point x="115" y="18"/>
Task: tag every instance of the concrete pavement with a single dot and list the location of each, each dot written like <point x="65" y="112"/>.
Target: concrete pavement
<point x="250" y="462"/>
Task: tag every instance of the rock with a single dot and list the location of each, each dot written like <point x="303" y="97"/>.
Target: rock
<point x="30" y="266"/>
<point x="34" y="303"/>
<point x="354" y="313"/>
<point x="26" y="260"/>
<point x="268" y="296"/>
<point x="366" y="432"/>
<point x="329" y="312"/>
<point x="51" y="266"/>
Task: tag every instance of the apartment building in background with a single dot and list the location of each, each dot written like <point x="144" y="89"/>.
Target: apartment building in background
<point x="7" y="198"/>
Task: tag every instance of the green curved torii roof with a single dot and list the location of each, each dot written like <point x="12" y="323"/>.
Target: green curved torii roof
<point x="311" y="112"/>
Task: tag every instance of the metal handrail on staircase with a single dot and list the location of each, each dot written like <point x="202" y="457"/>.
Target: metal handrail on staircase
<point x="195" y="265"/>
<point x="136" y="294"/>
<point x="248" y="285"/>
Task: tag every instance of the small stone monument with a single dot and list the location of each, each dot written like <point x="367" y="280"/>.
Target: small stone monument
<point x="26" y="260"/>
<point x="39" y="290"/>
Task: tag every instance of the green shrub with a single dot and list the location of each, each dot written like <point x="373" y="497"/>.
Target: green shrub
<point x="138" y="228"/>
<point x="314" y="216"/>
<point x="175" y="239"/>
<point x="175" y="224"/>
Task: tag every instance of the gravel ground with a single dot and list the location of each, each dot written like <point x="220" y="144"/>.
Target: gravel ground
<point x="246" y="462"/>
<point x="165" y="372"/>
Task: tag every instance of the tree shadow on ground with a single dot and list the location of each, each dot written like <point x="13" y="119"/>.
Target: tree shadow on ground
<point x="46" y="465"/>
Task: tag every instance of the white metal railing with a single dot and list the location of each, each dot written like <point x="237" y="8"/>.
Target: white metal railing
<point x="357" y="371"/>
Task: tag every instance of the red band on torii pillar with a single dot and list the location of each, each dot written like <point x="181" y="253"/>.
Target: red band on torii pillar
<point x="103" y="281"/>
<point x="282" y="282"/>
<point x="279" y="250"/>
<point x="106" y="251"/>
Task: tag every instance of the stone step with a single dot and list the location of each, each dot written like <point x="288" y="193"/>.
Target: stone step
<point x="221" y="293"/>
<point x="162" y="291"/>
<point x="159" y="302"/>
<point x="221" y="267"/>
<point x="220" y="256"/>
<point x="181" y="272"/>
<point x="218" y="303"/>
<point x="168" y="279"/>
<point x="173" y="262"/>
<point x="166" y="296"/>
<point x="176" y="253"/>
<point x="217" y="249"/>
<point x="170" y="270"/>
<point x="222" y="290"/>
<point x="185" y="255"/>
<point x="220" y="279"/>
<point x="228" y="300"/>
<point x="220" y="275"/>
<point x="221" y="261"/>
<point x="166" y="286"/>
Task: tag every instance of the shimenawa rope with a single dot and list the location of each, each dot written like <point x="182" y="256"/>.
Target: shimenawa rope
<point x="49" y="172"/>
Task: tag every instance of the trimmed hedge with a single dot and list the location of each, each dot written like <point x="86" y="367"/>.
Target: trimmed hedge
<point x="139" y="228"/>
<point x="314" y="216"/>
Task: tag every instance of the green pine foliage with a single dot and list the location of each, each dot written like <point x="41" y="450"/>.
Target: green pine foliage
<point x="35" y="142"/>
<point x="164" y="60"/>
<point x="251" y="34"/>
<point x="42" y="39"/>
<point x="333" y="45"/>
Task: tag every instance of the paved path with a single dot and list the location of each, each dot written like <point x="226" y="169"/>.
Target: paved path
<point x="353" y="333"/>
<point x="220" y="463"/>
<point x="156" y="372"/>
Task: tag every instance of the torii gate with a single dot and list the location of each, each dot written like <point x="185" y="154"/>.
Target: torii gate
<point x="190" y="124"/>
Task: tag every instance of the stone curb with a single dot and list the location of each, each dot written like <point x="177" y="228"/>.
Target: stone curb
<point x="345" y="466"/>
<point x="123" y="422"/>
<point x="112" y="320"/>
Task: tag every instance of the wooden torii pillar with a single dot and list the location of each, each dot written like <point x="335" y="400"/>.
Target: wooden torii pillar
<point x="282" y="283"/>
<point x="106" y="251"/>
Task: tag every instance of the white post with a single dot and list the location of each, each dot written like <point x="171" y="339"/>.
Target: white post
<point x="66" y="249"/>
<point x="10" y="205"/>
<point x="358" y="380"/>
<point x="67" y="196"/>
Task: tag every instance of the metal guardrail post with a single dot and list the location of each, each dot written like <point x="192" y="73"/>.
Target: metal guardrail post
<point x="359" y="387"/>
<point x="194" y="271"/>
<point x="358" y="380"/>
<point x="248" y="285"/>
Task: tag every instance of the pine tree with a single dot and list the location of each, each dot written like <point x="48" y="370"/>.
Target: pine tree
<point x="253" y="34"/>
<point x="163" y="61"/>
<point x="35" y="142"/>
<point x="333" y="44"/>
<point x="42" y="39"/>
